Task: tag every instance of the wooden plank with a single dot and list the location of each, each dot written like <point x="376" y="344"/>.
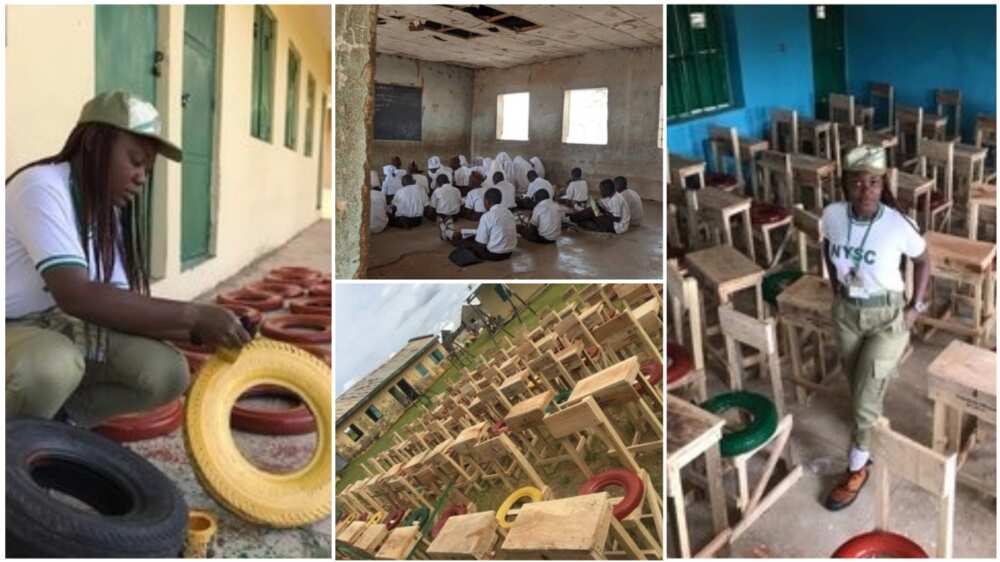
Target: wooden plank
<point x="572" y="419"/>
<point x="399" y="543"/>
<point x="914" y="462"/>
<point x="611" y="384"/>
<point x="747" y="329"/>
<point x="566" y="527"/>
<point x="372" y="538"/>
<point x="529" y="412"/>
<point x="352" y="532"/>
<point x="958" y="253"/>
<point x="465" y="536"/>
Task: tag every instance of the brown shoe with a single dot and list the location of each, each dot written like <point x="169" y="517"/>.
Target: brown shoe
<point x="847" y="491"/>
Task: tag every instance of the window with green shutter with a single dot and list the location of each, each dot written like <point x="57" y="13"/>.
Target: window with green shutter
<point x="310" y="110"/>
<point x="437" y="356"/>
<point x="422" y="370"/>
<point x="354" y="432"/>
<point x="373" y="413"/>
<point x="292" y="98"/>
<point x="262" y="79"/>
<point x="698" y="78"/>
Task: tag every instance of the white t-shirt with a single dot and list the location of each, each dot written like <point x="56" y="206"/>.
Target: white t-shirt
<point x="442" y="170"/>
<point x="379" y="219"/>
<point x="547" y="216"/>
<point x="447" y="200"/>
<point x="634" y="206"/>
<point x="474" y="199"/>
<point x="540" y="183"/>
<point x="618" y="207"/>
<point x="410" y="201"/>
<point x="41" y="233"/>
<point x="391" y="185"/>
<point x="422" y="182"/>
<point x="577" y="191"/>
<point x="892" y="235"/>
<point x="498" y="230"/>
<point x="507" y="191"/>
<point x="462" y="176"/>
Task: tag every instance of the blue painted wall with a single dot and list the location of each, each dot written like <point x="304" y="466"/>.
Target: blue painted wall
<point x="919" y="48"/>
<point x="773" y="53"/>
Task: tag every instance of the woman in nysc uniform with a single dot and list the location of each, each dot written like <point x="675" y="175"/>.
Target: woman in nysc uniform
<point x="83" y="334"/>
<point x="866" y="240"/>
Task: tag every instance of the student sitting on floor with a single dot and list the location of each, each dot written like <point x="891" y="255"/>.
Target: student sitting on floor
<point x="535" y="183"/>
<point x="379" y="218"/>
<point x="447" y="203"/>
<point x="434" y="168"/>
<point x="496" y="235"/>
<point x="546" y="220"/>
<point x="460" y="177"/>
<point x="474" y="206"/>
<point x="610" y="214"/>
<point x="392" y="184"/>
<point x="632" y="198"/>
<point x="419" y="178"/>
<point x="536" y="164"/>
<point x="408" y="206"/>
<point x="577" y="194"/>
<point x="521" y="169"/>
<point x="507" y="190"/>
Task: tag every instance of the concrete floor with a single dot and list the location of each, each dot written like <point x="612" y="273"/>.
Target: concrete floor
<point x="237" y="538"/>
<point x="798" y="526"/>
<point x="421" y="254"/>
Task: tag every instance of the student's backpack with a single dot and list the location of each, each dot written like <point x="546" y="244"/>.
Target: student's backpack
<point x="463" y="257"/>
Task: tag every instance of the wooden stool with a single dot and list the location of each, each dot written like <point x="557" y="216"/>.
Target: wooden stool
<point x="910" y="190"/>
<point x="963" y="382"/>
<point x="881" y="93"/>
<point x="986" y="137"/>
<point x="785" y="131"/>
<point x="399" y="544"/>
<point x="966" y="262"/>
<point x="719" y="208"/>
<point x="818" y="174"/>
<point x="981" y="195"/>
<point x="805" y="308"/>
<point x="465" y="537"/>
<point x="909" y="124"/>
<point x="571" y="528"/>
<point x="819" y="135"/>
<point x="723" y="142"/>
<point x="681" y="171"/>
<point x="761" y="335"/>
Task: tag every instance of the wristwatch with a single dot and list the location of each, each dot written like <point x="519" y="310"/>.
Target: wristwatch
<point x="920" y="306"/>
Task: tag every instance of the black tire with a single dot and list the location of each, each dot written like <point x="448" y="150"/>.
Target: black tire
<point x="139" y="511"/>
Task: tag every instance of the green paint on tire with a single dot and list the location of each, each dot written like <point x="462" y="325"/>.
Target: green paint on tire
<point x="417" y="516"/>
<point x="776" y="282"/>
<point x="763" y="423"/>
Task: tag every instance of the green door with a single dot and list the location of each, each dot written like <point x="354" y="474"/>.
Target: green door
<point x="198" y="103"/>
<point x="829" y="75"/>
<point x="126" y="59"/>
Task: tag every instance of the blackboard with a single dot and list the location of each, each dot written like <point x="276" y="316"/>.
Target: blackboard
<point x="397" y="112"/>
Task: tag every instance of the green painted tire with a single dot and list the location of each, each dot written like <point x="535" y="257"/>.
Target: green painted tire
<point x="762" y="426"/>
<point x="417" y="517"/>
<point x="776" y="282"/>
<point x="559" y="398"/>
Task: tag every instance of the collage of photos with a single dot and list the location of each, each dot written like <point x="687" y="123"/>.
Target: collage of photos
<point x="608" y="281"/>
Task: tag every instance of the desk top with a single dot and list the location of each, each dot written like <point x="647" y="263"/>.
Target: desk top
<point x="812" y="164"/>
<point x="681" y="165"/>
<point x="983" y="194"/>
<point x="468" y="536"/>
<point x="955" y="252"/>
<point x="399" y="542"/>
<point x="528" y="412"/>
<point x="967" y="366"/>
<point x="610" y="382"/>
<point x="577" y="525"/>
<point x="692" y="431"/>
<point x="719" y="265"/>
<point x="970" y="151"/>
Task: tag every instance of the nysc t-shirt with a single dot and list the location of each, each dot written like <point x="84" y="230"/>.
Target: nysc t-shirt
<point x="891" y="236"/>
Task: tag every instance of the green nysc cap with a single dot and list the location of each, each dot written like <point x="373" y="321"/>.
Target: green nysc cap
<point x="125" y="111"/>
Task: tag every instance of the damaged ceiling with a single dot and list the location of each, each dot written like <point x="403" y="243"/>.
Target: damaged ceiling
<point x="496" y="36"/>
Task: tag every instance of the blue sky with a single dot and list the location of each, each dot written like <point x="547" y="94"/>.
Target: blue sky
<point x="374" y="320"/>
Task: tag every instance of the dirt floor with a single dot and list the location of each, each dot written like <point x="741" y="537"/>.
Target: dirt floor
<point x="798" y="526"/>
<point x="237" y="538"/>
<point x="420" y="253"/>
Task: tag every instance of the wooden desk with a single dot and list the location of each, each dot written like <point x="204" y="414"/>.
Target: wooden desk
<point x="371" y="539"/>
<point x="647" y="315"/>
<point x="683" y="168"/>
<point x="963" y="382"/>
<point x="465" y="537"/>
<point x="935" y="126"/>
<point x="515" y="385"/>
<point x="612" y="385"/>
<point x="864" y="115"/>
<point x="888" y="141"/>
<point x="820" y="133"/>
<point x="817" y="173"/>
<point x="726" y="271"/>
<point x="352" y="533"/>
<point x="981" y="195"/>
<point x="750" y="147"/>
<point x="399" y="543"/>
<point x="719" y="207"/>
<point x="964" y="261"/>
<point x="469" y="437"/>
<point x="569" y="528"/>
<point x="548" y="342"/>
<point x="910" y="190"/>
<point x="970" y="168"/>
<point x="693" y="433"/>
<point x="805" y="308"/>
<point x="529" y="412"/>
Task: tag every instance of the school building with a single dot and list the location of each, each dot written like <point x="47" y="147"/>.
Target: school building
<point x="370" y="406"/>
<point x="577" y="87"/>
<point x="244" y="90"/>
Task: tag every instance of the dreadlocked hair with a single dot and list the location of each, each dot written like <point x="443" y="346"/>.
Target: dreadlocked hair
<point x="88" y="150"/>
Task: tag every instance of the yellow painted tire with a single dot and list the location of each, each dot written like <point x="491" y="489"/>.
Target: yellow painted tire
<point x="350" y="518"/>
<point x="278" y="500"/>
<point x="376" y="519"/>
<point x="530" y="492"/>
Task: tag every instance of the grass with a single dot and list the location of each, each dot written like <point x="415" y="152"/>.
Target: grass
<point x="553" y="297"/>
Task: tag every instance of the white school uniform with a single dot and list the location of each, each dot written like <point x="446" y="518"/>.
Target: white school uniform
<point x="474" y="200"/>
<point x="498" y="230"/>
<point x="410" y="201"/>
<point x="618" y="207"/>
<point x="540" y="183"/>
<point x="442" y="170"/>
<point x="634" y="206"/>
<point x="577" y="191"/>
<point x="379" y="218"/>
<point x="392" y="184"/>
<point x="447" y="200"/>
<point x="536" y="163"/>
<point x="547" y="217"/>
<point x="507" y="191"/>
<point x="461" y="176"/>
<point x="521" y="169"/>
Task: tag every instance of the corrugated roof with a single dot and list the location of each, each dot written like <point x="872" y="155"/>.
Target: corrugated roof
<point x="359" y="392"/>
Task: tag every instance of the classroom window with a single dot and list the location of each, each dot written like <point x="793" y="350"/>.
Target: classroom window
<point x="310" y="110"/>
<point x="399" y="396"/>
<point x="659" y="129"/>
<point x="262" y="80"/>
<point x="585" y="116"/>
<point x="292" y="98"/>
<point x="422" y="370"/>
<point x="354" y="433"/>
<point x="437" y="356"/>
<point x="373" y="413"/>
<point x="512" y="116"/>
<point x="698" y="78"/>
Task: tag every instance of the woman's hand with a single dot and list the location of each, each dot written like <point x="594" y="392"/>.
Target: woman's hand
<point x="910" y="316"/>
<point x="216" y="326"/>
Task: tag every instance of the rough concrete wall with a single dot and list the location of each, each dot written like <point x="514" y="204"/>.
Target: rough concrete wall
<point x="633" y="78"/>
<point x="355" y="36"/>
<point x="391" y="410"/>
<point x="447" y="109"/>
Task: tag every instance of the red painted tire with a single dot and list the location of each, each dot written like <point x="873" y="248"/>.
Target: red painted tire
<point x="880" y="544"/>
<point x="292" y="274"/>
<point x="266" y="421"/>
<point x="453" y="509"/>
<point x="499" y="427"/>
<point x="257" y="300"/>
<point x="678" y="362"/>
<point x="767" y="213"/>
<point x="284" y="290"/>
<point x="592" y="351"/>
<point x="319" y="350"/>
<point x="395" y="518"/>
<point x="634" y="489"/>
<point x="321" y="289"/>
<point x="721" y="181"/>
<point x="312" y="305"/>
<point x="157" y="422"/>
<point x="251" y="314"/>
<point x="653" y="371"/>
<point x="298" y="328"/>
